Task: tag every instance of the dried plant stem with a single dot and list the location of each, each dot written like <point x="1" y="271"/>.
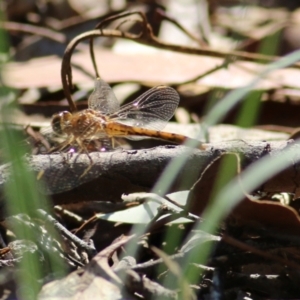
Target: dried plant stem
<point x="145" y="37"/>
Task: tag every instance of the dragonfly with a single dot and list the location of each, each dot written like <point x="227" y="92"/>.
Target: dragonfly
<point x="104" y="119"/>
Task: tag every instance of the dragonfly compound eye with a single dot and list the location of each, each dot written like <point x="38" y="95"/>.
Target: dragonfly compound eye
<point x="60" y="122"/>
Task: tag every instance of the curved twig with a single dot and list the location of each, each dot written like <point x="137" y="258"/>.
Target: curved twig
<point x="145" y="37"/>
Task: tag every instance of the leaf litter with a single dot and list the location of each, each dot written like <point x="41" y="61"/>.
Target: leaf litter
<point x="259" y="235"/>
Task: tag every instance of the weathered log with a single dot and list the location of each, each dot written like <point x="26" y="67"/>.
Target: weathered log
<point x="72" y="178"/>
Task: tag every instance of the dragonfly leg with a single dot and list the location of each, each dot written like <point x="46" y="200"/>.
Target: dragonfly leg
<point x="83" y="149"/>
<point x="113" y="142"/>
<point x="63" y="145"/>
<point x="107" y="144"/>
<point x="60" y="147"/>
<point x="118" y="144"/>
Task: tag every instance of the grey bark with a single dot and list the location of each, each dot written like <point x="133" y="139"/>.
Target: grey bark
<point x="106" y="176"/>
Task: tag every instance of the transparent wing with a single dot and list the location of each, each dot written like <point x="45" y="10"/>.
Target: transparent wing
<point x="151" y="110"/>
<point x="103" y="98"/>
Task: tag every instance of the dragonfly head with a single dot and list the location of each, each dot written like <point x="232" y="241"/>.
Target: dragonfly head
<point x="61" y="122"/>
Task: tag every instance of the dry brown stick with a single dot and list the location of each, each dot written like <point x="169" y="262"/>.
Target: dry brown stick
<point x="144" y="23"/>
<point x="224" y="64"/>
<point x="166" y="17"/>
<point x="119" y="16"/>
<point x="66" y="71"/>
<point x="147" y="38"/>
<point x="36" y="30"/>
<point x="107" y="21"/>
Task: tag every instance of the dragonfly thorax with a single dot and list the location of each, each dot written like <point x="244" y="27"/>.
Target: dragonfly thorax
<point x="86" y="124"/>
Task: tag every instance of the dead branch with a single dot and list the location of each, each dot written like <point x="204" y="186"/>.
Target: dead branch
<point x="118" y="172"/>
<point x="145" y="37"/>
<point x="35" y="30"/>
